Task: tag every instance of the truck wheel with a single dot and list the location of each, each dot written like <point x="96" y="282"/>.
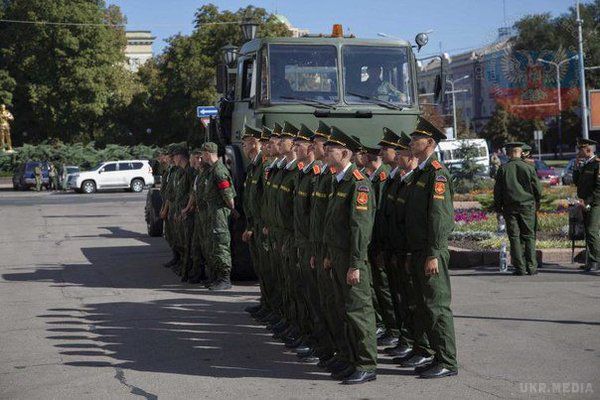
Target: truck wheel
<point x="153" y="206"/>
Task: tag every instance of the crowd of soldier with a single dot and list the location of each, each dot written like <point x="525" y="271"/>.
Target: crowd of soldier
<point x="326" y="225"/>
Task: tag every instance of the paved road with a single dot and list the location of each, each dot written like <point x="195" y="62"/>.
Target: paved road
<point x="89" y="313"/>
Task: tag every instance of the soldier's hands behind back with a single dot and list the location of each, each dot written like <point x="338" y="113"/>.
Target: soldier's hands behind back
<point x="327" y="263"/>
<point x="312" y="262"/>
<point x="431" y="266"/>
<point x="353" y="276"/>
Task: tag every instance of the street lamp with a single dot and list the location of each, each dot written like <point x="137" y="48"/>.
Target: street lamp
<point x="230" y="54"/>
<point x="452" y="83"/>
<point x="249" y="29"/>
<point x="559" y="116"/>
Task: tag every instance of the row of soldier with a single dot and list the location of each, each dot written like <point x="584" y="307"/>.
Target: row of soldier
<point x="330" y="245"/>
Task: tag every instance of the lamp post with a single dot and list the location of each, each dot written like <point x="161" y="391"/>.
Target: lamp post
<point x="584" y="113"/>
<point x="249" y="29"/>
<point x="559" y="116"/>
<point x="452" y="83"/>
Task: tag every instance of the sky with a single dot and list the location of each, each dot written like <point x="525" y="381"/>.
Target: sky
<point x="458" y="25"/>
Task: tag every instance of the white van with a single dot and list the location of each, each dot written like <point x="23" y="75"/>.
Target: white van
<point x="126" y="174"/>
<point x="450" y="152"/>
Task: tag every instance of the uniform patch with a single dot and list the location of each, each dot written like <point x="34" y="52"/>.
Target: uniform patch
<point x="362" y="208"/>
<point x="439" y="188"/>
<point x="438" y="197"/>
<point x="362" y="198"/>
<point x="316" y="169"/>
<point x="363" y="188"/>
<point x="435" y="164"/>
<point x="223" y="185"/>
<point x="300" y="165"/>
<point x="382" y="176"/>
<point x="441" y="178"/>
<point x="358" y="175"/>
<point x="333" y="170"/>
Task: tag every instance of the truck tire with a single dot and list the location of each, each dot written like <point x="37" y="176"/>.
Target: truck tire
<point x="152" y="211"/>
<point x="241" y="268"/>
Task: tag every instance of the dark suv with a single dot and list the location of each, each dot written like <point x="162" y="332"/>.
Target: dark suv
<point x="24" y="175"/>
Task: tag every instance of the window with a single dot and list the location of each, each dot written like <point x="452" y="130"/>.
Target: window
<point x="377" y="72"/>
<point x="302" y="73"/>
<point x="248" y="86"/>
<point x="137" y="165"/>
<point x="110" y="167"/>
<point x="125" y="166"/>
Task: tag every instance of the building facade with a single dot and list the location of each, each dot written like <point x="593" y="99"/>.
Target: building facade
<point x="139" y="48"/>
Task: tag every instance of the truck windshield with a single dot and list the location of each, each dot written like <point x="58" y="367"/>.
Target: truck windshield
<point x="377" y="73"/>
<point x="303" y="73"/>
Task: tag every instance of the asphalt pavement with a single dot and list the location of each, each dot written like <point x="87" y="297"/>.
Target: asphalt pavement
<point x="88" y="312"/>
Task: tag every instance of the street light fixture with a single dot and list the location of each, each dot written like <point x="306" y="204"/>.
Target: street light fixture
<point x="230" y="54"/>
<point x="559" y="116"/>
<point x="249" y="29"/>
<point x="452" y="83"/>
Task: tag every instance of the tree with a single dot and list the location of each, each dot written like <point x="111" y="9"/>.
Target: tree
<point x="64" y="74"/>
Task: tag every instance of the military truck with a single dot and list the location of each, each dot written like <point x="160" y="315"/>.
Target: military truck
<point x="358" y="85"/>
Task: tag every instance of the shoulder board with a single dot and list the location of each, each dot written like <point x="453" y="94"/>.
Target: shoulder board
<point x="435" y="164"/>
<point x="316" y="169"/>
<point x="300" y="165"/>
<point x="382" y="176"/>
<point x="358" y="175"/>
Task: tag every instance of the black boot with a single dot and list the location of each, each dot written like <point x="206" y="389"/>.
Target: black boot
<point x="220" y="284"/>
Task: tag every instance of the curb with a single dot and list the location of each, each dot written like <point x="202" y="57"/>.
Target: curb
<point x="466" y="259"/>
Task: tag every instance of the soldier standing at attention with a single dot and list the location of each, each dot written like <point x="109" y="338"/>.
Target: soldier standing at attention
<point x="430" y="216"/>
<point x="587" y="178"/>
<point x="251" y="147"/>
<point x="348" y="228"/>
<point x="196" y="272"/>
<point x="517" y="195"/>
<point x="166" y="192"/>
<point x="218" y="194"/>
<point x="184" y="222"/>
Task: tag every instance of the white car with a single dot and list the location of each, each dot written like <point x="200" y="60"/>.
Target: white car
<point x="133" y="175"/>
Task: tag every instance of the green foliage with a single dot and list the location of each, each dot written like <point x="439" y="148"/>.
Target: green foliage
<point x="496" y="242"/>
<point x="465" y="178"/>
<point x="85" y="156"/>
<point x="489" y="225"/>
<point x="506" y="127"/>
<point x="65" y="75"/>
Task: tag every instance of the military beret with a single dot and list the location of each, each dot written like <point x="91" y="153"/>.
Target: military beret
<point x="305" y="133"/>
<point x="339" y="138"/>
<point x="210" y="147"/>
<point x="586" y="142"/>
<point x="427" y="129"/>
<point x="289" y="131"/>
<point x="390" y="138"/>
<point x="251" y="132"/>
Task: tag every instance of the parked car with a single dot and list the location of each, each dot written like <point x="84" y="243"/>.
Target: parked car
<point x="72" y="171"/>
<point x="24" y="175"/>
<point x="567" y="173"/>
<point x="133" y="175"/>
<point x="545" y="173"/>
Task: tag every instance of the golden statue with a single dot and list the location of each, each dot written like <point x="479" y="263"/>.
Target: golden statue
<point x="5" y="119"/>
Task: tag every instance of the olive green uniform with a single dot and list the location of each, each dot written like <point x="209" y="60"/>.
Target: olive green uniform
<point x="217" y="190"/>
<point x="429" y="214"/>
<point x="587" y="179"/>
<point x="183" y="227"/>
<point x="198" y="269"/>
<point x="325" y="286"/>
<point x="37" y="171"/>
<point x="516" y="193"/>
<point x="347" y="232"/>
<point x="253" y="192"/>
<point x="166" y="192"/>
<point x="380" y="257"/>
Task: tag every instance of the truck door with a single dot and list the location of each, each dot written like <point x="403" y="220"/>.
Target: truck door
<point x="245" y="96"/>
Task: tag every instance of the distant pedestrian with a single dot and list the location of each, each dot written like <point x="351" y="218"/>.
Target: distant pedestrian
<point x="53" y="177"/>
<point x="37" y="171"/>
<point x="64" y="177"/>
<point x="495" y="163"/>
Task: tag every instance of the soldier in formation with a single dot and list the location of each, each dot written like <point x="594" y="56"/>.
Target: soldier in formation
<point x="324" y="264"/>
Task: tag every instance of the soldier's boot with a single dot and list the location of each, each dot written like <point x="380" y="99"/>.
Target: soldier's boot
<point x="221" y="283"/>
<point x="173" y="260"/>
<point x="591" y="266"/>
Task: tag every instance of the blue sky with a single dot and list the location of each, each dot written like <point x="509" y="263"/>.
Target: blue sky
<point x="457" y="24"/>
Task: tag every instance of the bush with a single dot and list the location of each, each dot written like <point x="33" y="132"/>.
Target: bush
<point x="85" y="156"/>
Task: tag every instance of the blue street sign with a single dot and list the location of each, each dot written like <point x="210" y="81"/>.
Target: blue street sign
<point x="206" y="111"/>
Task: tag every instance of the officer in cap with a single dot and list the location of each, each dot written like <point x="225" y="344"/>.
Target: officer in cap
<point x="430" y="220"/>
<point x="587" y="178"/>
<point x="348" y="228"/>
<point x="517" y="195"/>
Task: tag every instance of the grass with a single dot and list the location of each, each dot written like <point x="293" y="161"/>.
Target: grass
<point x="495" y="243"/>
